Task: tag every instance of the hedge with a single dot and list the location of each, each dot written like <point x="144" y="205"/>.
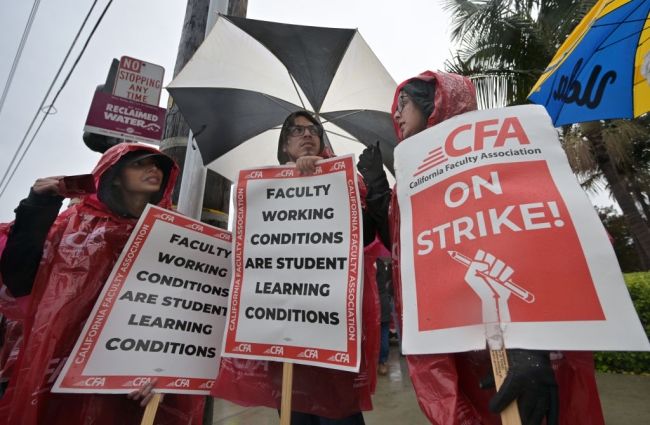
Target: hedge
<point x="631" y="361"/>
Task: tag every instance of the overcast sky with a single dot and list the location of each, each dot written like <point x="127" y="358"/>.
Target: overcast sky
<point x="408" y="36"/>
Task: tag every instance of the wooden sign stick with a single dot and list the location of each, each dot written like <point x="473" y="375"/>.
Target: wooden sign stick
<point x="509" y="416"/>
<point x="287" y="385"/>
<point x="150" y="411"/>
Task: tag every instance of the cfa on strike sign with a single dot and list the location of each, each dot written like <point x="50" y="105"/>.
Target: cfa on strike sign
<point x="496" y="229"/>
<point x="161" y="313"/>
<point x="297" y="271"/>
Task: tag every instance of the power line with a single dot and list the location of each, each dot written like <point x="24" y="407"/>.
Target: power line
<point x="99" y="20"/>
<point x="19" y="52"/>
<point x="49" y="90"/>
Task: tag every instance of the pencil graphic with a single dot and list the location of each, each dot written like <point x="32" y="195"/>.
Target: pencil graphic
<point x="509" y="284"/>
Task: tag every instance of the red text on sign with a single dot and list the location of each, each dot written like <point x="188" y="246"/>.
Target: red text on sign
<point x="510" y="128"/>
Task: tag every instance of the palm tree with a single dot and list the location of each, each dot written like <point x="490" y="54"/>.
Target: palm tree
<point x="592" y="131"/>
<point x="504" y="47"/>
<point x="626" y="143"/>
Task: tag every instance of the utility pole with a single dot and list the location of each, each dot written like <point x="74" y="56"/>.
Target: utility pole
<point x="206" y="194"/>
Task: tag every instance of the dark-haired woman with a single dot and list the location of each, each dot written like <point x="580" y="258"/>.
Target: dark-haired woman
<point x="449" y="386"/>
<point x="55" y="267"/>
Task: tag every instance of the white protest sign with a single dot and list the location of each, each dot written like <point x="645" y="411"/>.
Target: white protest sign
<point x="495" y="229"/>
<point x="139" y="81"/>
<point x="161" y="313"/>
<point x="297" y="278"/>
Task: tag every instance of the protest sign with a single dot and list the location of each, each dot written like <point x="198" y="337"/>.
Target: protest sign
<point x="297" y="277"/>
<point x="161" y="313"/>
<point x="495" y="229"/>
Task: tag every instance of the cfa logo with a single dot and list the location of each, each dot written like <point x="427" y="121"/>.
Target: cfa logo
<point x="243" y="348"/>
<point x="340" y="165"/>
<point x="222" y="235"/>
<point x="207" y="385"/>
<point x="180" y="383"/>
<point x="195" y="226"/>
<point x="138" y="382"/>
<point x="166" y="217"/>
<point x="309" y="354"/>
<point x="340" y="358"/>
<point x="475" y="137"/>
<point x="319" y="170"/>
<point x="254" y="175"/>
<point x="82" y="239"/>
<point x="92" y="382"/>
<point x="285" y="173"/>
<point x="276" y="350"/>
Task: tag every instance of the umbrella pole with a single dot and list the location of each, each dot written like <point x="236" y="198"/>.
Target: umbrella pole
<point x="287" y="384"/>
<point x="509" y="416"/>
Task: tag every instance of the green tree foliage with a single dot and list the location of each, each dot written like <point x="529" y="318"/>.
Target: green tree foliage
<point x="631" y="362"/>
<point x="626" y="253"/>
<point x="505" y="45"/>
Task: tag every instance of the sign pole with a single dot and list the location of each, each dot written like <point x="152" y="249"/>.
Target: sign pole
<point x="510" y="415"/>
<point x="150" y="411"/>
<point x="287" y="384"/>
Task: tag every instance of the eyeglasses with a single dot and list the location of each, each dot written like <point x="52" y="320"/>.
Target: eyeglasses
<point x="400" y="103"/>
<point x="299" y="130"/>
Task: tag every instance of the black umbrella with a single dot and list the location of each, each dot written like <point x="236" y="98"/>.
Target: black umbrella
<point x="248" y="75"/>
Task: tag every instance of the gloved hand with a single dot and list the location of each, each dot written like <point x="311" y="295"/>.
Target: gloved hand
<point x="531" y="381"/>
<point x="371" y="167"/>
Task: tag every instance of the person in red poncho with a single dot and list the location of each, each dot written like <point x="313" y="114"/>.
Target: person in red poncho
<point x="458" y="388"/>
<point x="55" y="267"/>
<point x="320" y="396"/>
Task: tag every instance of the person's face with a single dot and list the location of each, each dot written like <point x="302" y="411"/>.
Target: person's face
<point x="408" y="115"/>
<point x="305" y="145"/>
<point x="140" y="177"/>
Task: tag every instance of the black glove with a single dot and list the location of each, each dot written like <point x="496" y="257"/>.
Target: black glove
<point x="531" y="381"/>
<point x="371" y="167"/>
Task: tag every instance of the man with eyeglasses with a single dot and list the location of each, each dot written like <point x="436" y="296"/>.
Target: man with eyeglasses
<point x="321" y="396"/>
<point x="301" y="142"/>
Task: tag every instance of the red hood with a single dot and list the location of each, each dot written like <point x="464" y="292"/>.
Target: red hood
<point x="78" y="256"/>
<point x="326" y="153"/>
<point x="455" y="95"/>
<point x="111" y="157"/>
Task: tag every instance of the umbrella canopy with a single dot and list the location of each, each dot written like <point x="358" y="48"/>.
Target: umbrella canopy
<point x="249" y="75"/>
<point x="602" y="70"/>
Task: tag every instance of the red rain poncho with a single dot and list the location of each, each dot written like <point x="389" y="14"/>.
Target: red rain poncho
<point x="11" y="325"/>
<point x="447" y="385"/>
<point x="81" y="248"/>
<point x="319" y="391"/>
